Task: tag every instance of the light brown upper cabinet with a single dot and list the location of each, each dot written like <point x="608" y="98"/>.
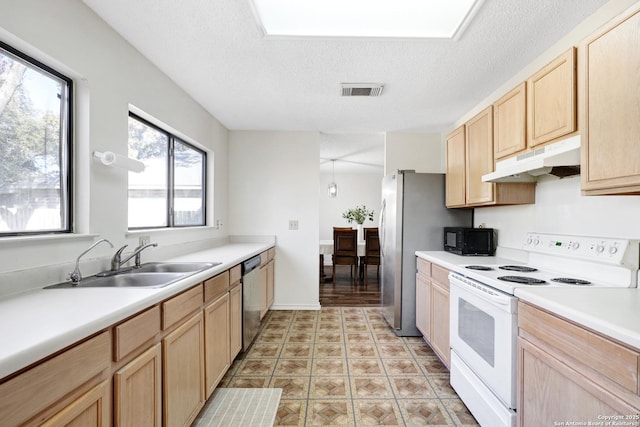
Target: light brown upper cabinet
<point x="469" y="156"/>
<point x="455" y="178"/>
<point x="551" y="95"/>
<point x="610" y="107"/>
<point x="510" y="123"/>
<point x="479" y="154"/>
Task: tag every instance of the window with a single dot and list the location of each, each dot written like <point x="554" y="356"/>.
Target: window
<point x="35" y="146"/>
<point x="171" y="190"/>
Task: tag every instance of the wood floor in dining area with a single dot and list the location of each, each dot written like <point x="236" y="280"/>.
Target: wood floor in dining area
<point x="348" y="292"/>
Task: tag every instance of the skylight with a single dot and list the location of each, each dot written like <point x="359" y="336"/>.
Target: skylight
<point x="366" y="18"/>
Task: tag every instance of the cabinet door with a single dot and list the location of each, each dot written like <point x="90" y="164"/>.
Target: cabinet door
<point x="138" y="391"/>
<point x="92" y="409"/>
<point x="609" y="82"/>
<point x="479" y="151"/>
<point x="550" y="391"/>
<point x="270" y="283"/>
<point x="183" y="372"/>
<point x="440" y="322"/>
<point x="217" y="341"/>
<point x="552" y="100"/>
<point x="455" y="178"/>
<point x="510" y="123"/>
<point x="235" y="320"/>
<point x="423" y="306"/>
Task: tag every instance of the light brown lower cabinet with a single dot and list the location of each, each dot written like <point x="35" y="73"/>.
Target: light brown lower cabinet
<point x="138" y="391"/>
<point x="183" y="372"/>
<point x="567" y="372"/>
<point x="432" y="307"/>
<point x="92" y="409"/>
<point x="217" y="341"/>
<point x="270" y="282"/>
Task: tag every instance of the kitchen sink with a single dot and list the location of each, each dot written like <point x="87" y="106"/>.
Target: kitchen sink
<point x="149" y="275"/>
<point x="173" y="267"/>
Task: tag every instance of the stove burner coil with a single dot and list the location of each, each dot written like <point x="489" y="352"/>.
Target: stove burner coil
<point x="479" y="267"/>
<point x="523" y="280"/>
<point x="520" y="268"/>
<point x="571" y="281"/>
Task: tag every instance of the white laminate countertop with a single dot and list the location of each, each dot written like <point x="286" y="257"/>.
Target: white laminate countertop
<point x="454" y="262"/>
<point x="38" y="323"/>
<point x="614" y="312"/>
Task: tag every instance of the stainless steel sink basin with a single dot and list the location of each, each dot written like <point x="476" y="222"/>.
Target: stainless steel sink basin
<point x="149" y="275"/>
<point x="173" y="267"/>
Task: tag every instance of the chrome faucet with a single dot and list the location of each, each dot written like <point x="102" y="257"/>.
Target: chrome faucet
<point x="75" y="276"/>
<point x="117" y="261"/>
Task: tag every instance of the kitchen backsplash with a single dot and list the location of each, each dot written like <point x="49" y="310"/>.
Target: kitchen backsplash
<point x="560" y="208"/>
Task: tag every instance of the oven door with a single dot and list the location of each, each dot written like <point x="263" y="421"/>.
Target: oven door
<point x="483" y="334"/>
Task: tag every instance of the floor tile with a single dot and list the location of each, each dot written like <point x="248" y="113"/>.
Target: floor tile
<point x="343" y="366"/>
<point x="377" y="413"/>
<point x="329" y="367"/>
<point x="428" y="412"/>
<point x="330" y="387"/>
<point x="330" y="413"/>
<point x="291" y="413"/>
<point x="292" y="387"/>
<point x="370" y="387"/>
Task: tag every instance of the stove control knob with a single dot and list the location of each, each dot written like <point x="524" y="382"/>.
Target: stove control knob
<point x="600" y="249"/>
<point x="613" y="250"/>
<point x="575" y="246"/>
<point x="529" y="240"/>
<point x="536" y="242"/>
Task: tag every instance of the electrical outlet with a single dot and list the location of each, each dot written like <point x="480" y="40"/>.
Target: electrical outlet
<point x="144" y="240"/>
<point x="293" y="224"/>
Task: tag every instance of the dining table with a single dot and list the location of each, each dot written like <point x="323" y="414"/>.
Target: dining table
<point x="326" y="248"/>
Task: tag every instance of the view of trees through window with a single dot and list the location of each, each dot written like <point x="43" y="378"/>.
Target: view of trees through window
<point x="170" y="192"/>
<point x="34" y="147"/>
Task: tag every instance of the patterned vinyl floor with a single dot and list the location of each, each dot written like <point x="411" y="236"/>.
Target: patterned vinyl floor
<point x="343" y="366"/>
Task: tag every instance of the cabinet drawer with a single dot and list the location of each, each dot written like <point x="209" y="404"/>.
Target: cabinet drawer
<point x="271" y="254"/>
<point x="179" y="307"/>
<point x="216" y="286"/>
<point x="440" y="275"/>
<point x="424" y="267"/>
<point x="42" y="386"/>
<point x="235" y="274"/>
<point x="131" y="334"/>
<point x="601" y="355"/>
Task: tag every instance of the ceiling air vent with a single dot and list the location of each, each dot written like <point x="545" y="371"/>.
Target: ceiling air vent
<point x="362" y="89"/>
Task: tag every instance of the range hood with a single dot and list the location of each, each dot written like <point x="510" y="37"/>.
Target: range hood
<point x="561" y="159"/>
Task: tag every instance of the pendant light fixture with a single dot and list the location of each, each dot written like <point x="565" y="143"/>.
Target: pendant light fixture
<point x="332" y="190"/>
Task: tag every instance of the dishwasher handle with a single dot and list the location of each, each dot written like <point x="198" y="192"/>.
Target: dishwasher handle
<point x="251" y="264"/>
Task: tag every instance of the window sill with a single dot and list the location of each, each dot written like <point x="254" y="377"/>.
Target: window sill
<point x="14" y="241"/>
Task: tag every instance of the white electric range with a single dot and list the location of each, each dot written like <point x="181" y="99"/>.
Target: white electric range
<point x="484" y="322"/>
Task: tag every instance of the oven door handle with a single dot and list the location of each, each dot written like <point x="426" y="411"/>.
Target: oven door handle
<point x="477" y="291"/>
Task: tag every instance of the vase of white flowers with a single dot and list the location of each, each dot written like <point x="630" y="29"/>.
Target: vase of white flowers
<point x="359" y="215"/>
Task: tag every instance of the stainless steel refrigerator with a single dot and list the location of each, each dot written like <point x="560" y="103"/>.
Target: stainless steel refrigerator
<point x="412" y="218"/>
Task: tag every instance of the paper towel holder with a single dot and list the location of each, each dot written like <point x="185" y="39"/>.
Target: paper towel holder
<point x="109" y="158"/>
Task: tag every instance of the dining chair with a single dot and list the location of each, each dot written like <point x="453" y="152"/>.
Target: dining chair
<point x="345" y="250"/>
<point x="371" y="251"/>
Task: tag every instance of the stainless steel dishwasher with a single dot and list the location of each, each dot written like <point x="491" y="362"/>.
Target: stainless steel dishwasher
<point x="250" y="300"/>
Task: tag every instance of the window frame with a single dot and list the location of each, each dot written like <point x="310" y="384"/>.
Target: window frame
<point x="66" y="146"/>
<point x="170" y="205"/>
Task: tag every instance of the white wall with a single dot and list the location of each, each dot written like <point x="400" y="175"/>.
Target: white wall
<point x="422" y="152"/>
<point x="109" y="75"/>
<point x="560" y="208"/>
<point x="274" y="178"/>
<point x="353" y="190"/>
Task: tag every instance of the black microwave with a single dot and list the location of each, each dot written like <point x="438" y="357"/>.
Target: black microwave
<point x="470" y="241"/>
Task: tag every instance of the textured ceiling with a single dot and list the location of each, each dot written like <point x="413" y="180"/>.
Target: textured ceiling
<point x="215" y="51"/>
